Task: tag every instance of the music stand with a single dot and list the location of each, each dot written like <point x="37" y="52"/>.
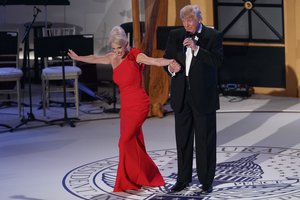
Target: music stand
<point x="58" y="46"/>
<point x="162" y="33"/>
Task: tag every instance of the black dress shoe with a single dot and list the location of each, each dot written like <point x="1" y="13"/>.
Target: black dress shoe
<point x="178" y="187"/>
<point x="206" y="189"/>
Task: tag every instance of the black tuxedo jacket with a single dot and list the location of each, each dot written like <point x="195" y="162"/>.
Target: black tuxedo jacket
<point x="203" y="73"/>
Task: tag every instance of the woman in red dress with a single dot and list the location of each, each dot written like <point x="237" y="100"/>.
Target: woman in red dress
<point x="136" y="168"/>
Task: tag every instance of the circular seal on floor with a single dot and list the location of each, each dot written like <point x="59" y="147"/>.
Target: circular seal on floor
<point x="242" y="172"/>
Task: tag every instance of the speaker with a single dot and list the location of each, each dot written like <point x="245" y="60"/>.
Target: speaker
<point x="235" y="89"/>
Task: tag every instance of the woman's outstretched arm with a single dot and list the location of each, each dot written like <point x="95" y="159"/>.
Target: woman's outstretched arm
<point x="90" y="59"/>
<point x="143" y="58"/>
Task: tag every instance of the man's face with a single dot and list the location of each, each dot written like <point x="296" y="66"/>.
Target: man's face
<point x="191" y="24"/>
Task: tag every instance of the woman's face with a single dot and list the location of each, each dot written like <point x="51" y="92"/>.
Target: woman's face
<point x="119" y="50"/>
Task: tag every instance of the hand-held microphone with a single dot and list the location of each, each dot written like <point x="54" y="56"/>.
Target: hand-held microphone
<point x="187" y="35"/>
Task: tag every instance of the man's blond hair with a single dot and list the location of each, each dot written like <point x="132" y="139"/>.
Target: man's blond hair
<point x="191" y="11"/>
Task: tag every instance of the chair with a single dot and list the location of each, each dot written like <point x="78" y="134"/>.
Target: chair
<point x="10" y="74"/>
<point x="53" y="72"/>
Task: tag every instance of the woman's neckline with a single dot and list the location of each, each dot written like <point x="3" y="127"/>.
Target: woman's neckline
<point x="122" y="60"/>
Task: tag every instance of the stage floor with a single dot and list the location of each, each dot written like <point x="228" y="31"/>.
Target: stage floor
<point x="258" y="156"/>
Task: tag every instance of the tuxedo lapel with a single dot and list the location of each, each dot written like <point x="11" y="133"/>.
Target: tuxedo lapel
<point x="181" y="54"/>
<point x="200" y="41"/>
<point x="197" y="39"/>
<point x="202" y="37"/>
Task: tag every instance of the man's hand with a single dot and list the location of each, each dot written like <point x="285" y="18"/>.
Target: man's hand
<point x="174" y="67"/>
<point x="190" y="43"/>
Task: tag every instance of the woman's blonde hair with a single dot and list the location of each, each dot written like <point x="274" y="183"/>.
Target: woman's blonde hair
<point x="118" y="36"/>
<point x="189" y="11"/>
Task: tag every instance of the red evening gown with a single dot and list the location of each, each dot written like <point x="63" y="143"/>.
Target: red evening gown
<point x="136" y="168"/>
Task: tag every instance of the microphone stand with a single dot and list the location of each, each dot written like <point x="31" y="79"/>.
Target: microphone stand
<point x="26" y="64"/>
<point x="65" y="119"/>
<point x="114" y="101"/>
<point x="6" y="126"/>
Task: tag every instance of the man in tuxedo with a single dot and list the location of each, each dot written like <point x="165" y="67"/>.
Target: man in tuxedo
<point x="194" y="96"/>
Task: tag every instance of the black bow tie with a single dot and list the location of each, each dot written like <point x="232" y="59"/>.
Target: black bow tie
<point x="194" y="36"/>
<point x="190" y="35"/>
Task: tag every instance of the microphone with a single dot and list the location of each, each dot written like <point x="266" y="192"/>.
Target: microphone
<point x="187" y="35"/>
<point x="37" y="9"/>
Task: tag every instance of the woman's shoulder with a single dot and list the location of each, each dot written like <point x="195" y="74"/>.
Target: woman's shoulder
<point x="134" y="52"/>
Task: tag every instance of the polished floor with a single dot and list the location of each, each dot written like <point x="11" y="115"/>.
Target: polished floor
<point x="258" y="154"/>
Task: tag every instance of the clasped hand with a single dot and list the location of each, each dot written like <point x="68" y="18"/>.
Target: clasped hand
<point x="174" y="66"/>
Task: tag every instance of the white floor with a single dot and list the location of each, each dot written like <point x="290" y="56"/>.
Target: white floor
<point x="258" y="156"/>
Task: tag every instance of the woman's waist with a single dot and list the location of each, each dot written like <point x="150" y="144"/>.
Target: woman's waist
<point x="134" y="96"/>
<point x="131" y="91"/>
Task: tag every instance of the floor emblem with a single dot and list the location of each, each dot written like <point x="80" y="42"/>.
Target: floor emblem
<point x="242" y="173"/>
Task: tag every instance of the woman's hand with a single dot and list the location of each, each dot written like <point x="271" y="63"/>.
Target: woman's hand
<point x="72" y="55"/>
<point x="174" y="66"/>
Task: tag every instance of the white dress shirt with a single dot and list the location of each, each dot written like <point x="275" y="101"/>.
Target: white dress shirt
<point x="189" y="54"/>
